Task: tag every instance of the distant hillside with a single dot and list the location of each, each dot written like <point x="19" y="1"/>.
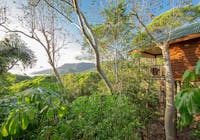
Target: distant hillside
<point x="69" y="68"/>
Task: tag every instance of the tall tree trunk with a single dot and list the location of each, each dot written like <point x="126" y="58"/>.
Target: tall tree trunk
<point x="170" y="113"/>
<point x="92" y="41"/>
<point x="58" y="78"/>
<point x="57" y="75"/>
<point x="100" y="70"/>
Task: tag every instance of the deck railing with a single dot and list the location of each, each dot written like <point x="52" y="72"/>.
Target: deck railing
<point x="156" y="71"/>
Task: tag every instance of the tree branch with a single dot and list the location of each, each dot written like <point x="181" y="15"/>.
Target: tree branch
<point x="82" y="25"/>
<point x="12" y="65"/>
<point x="57" y="10"/>
<point x="147" y="30"/>
<point x="25" y="34"/>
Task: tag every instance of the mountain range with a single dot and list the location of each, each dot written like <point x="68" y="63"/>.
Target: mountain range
<point x="69" y="68"/>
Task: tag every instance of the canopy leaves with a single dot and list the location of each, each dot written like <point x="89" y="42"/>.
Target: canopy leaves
<point x="13" y="50"/>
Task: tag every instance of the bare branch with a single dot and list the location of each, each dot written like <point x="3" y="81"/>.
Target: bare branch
<point x="82" y="25"/>
<point x="57" y="10"/>
<point x="90" y="31"/>
<point x="147" y="30"/>
<point x="12" y="65"/>
<point x="25" y="34"/>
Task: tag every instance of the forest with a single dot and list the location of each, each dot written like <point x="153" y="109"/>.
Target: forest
<point x="134" y="74"/>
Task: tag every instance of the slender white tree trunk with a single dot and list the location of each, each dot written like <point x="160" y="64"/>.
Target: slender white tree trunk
<point x="170" y="113"/>
<point x="92" y="41"/>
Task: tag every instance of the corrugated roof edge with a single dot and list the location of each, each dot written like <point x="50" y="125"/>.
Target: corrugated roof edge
<point x="177" y="33"/>
<point x="181" y="32"/>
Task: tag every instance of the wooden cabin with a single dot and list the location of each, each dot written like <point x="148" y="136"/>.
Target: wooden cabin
<point x="184" y="50"/>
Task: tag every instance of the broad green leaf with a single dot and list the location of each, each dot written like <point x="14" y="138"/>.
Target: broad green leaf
<point x="4" y="130"/>
<point x="185" y="119"/>
<point x="55" y="137"/>
<point x="19" y="101"/>
<point x="197" y="96"/>
<point x="187" y="75"/>
<point x="180" y="99"/>
<point x="60" y="113"/>
<point x="24" y="121"/>
<point x="13" y="126"/>
<point x="27" y="99"/>
<point x="193" y="76"/>
<point x="191" y="106"/>
<point x="63" y="107"/>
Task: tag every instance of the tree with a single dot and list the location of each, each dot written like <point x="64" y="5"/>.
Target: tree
<point x="12" y="51"/>
<point x="164" y="23"/>
<point x="168" y="22"/>
<point x="114" y="35"/>
<point x="84" y="27"/>
<point x="44" y="27"/>
<point x="44" y="20"/>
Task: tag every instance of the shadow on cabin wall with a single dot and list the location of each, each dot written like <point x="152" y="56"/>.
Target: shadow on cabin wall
<point x="184" y="55"/>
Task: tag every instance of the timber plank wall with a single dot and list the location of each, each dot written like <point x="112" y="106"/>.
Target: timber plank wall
<point x="183" y="56"/>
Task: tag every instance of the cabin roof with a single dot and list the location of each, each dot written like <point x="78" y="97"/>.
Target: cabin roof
<point x="180" y="34"/>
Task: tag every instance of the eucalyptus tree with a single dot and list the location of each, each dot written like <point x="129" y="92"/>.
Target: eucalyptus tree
<point x="71" y="11"/>
<point x="159" y="26"/>
<point x="46" y="29"/>
<point x="43" y="26"/>
<point x="12" y="51"/>
<point x="114" y="35"/>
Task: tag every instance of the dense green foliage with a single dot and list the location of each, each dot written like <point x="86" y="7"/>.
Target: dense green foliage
<point x="103" y="117"/>
<point x="7" y="80"/>
<point x="175" y="17"/>
<point x="77" y="84"/>
<point x="39" y="114"/>
<point x="35" y="111"/>
<point x="13" y="50"/>
<point x="188" y="99"/>
<point x="48" y="82"/>
<point x="29" y="111"/>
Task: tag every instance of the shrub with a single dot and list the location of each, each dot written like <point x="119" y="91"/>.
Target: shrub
<point x="103" y="117"/>
<point x="41" y="115"/>
<point x="188" y="100"/>
<point x="81" y="84"/>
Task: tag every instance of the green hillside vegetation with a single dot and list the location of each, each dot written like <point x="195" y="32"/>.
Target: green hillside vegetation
<point x="7" y="80"/>
<point x="90" y="105"/>
<point x="93" y="108"/>
<point x="77" y="84"/>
